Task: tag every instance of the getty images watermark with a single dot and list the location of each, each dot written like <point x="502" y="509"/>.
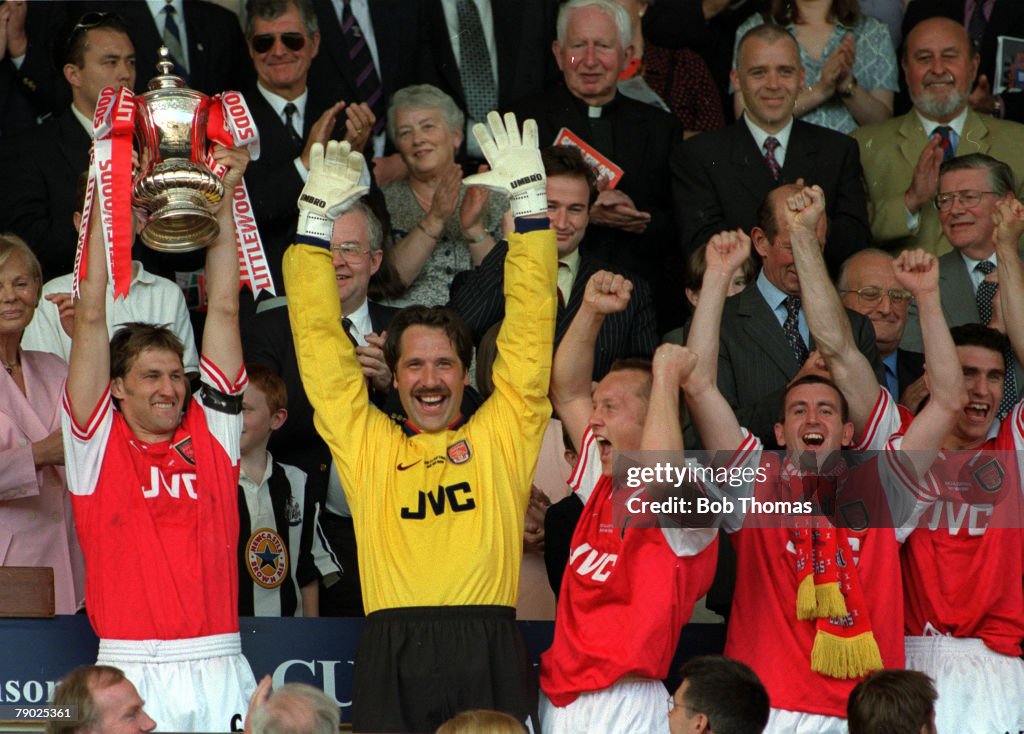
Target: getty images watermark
<point x="962" y="492"/>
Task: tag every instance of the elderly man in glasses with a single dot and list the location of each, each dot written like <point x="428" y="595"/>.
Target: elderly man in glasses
<point x="868" y="286"/>
<point x="969" y="187"/>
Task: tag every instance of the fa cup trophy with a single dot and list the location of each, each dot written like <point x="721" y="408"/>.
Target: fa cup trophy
<point x="174" y="185"/>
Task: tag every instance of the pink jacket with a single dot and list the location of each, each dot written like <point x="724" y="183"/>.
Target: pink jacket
<point x="36" y="525"/>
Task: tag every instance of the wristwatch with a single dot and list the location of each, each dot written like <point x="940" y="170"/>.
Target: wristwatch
<point x="850" y="88"/>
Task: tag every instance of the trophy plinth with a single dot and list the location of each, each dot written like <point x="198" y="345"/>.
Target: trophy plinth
<point x="174" y="185"/>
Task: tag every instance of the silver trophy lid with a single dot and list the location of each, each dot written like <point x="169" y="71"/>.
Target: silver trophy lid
<point x="165" y="79"/>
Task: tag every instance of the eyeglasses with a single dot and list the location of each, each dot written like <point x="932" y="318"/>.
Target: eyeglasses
<point x="968" y="198"/>
<point x="86" y="22"/>
<point x="265" y="41"/>
<point x="672" y="703"/>
<point x="872" y="294"/>
<point x="349" y="251"/>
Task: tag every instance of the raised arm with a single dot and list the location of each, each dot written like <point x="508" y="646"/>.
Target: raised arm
<point x="826" y="316"/>
<point x="715" y="420"/>
<point x="918" y="272"/>
<point x="327" y="361"/>
<point x="89" y="366"/>
<point x="222" y="344"/>
<point x="522" y="368"/>
<point x="670" y="369"/>
<point x="572" y="373"/>
<point x="1009" y="217"/>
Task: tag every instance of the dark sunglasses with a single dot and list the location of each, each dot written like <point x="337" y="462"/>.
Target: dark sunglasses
<point x="265" y="41"/>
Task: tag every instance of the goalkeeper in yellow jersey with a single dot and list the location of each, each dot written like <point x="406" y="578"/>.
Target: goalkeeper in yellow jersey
<point x="438" y="504"/>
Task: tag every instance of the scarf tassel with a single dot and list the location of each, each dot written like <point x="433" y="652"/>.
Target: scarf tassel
<point x="845" y="657"/>
<point x="814" y="601"/>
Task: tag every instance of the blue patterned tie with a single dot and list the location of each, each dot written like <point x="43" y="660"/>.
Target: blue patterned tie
<point x="772" y="144"/>
<point x="792" y="329"/>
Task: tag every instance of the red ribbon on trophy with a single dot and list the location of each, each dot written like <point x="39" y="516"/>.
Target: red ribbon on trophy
<point x="110" y="177"/>
<point x="229" y="123"/>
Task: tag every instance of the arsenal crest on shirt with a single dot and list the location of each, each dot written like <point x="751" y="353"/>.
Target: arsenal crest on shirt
<point x="459" y="453"/>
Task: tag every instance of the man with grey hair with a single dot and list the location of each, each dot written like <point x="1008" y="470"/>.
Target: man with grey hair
<point x="294" y="708"/>
<point x="867" y="284"/>
<point x="969" y="188"/>
<point x="902" y="156"/>
<point x="632" y="226"/>
<point x="102" y="701"/>
<point x="356" y="250"/>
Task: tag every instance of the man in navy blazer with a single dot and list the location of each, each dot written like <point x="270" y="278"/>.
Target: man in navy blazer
<point x="720" y="177"/>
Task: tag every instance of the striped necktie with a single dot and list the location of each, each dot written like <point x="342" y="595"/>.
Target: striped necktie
<point x="771" y="144"/>
<point x="358" y="52"/>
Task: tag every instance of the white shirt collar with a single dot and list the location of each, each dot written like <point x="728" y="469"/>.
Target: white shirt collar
<point x="277" y="103"/>
<point x="760" y="136"/>
<point x="957" y="123"/>
<point x="156" y="7"/>
<point x="361" y="324"/>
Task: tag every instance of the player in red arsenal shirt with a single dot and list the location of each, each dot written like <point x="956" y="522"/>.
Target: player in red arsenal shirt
<point x="811" y="651"/>
<point x="962" y="568"/>
<point x="627" y="591"/>
<point x="154" y="478"/>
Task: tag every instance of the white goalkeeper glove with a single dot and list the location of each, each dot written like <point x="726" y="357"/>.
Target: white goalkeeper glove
<point x="516" y="166"/>
<point x="332" y="187"/>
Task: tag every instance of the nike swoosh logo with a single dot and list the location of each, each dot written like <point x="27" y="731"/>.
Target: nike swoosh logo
<point x="403" y="467"/>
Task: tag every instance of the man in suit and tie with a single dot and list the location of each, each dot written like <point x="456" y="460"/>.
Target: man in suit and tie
<point x="969" y="187"/>
<point x="721" y="177"/>
<point x="290" y="114"/>
<point x="868" y="285"/>
<point x="902" y="156"/>
<point x="765" y="342"/>
<point x="39" y="200"/>
<point x="356" y="247"/>
<point x="477" y="294"/>
<point x="204" y="40"/>
<point x="632" y="225"/>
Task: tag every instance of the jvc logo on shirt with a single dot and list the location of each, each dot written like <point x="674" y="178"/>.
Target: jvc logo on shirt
<point x="453" y="496"/>
<point x="954" y="516"/>
<point x="597" y="564"/>
<point x="157" y="481"/>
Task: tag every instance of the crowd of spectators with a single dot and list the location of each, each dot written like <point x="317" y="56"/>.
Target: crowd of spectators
<point x="813" y="192"/>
